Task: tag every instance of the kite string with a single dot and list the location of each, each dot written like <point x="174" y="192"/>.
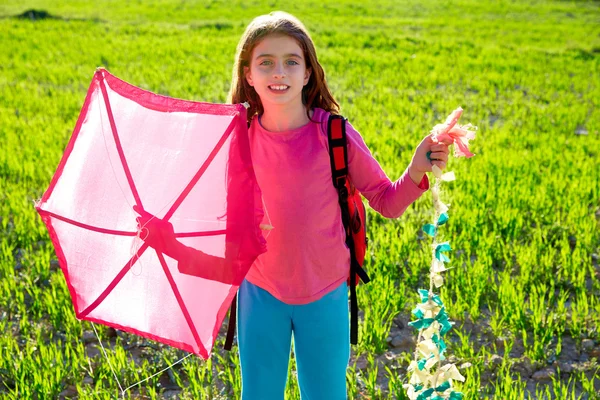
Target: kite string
<point x="270" y="226"/>
<point x="123" y="391"/>
<point x="137" y="242"/>
<point x="107" y="359"/>
<point x="158" y="373"/>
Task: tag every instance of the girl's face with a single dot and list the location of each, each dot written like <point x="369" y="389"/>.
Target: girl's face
<point x="278" y="71"/>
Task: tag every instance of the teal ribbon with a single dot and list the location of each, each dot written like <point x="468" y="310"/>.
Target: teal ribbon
<point x="421" y="323"/>
<point x="443" y="219"/>
<point x="439" y="342"/>
<point x="426" y="394"/>
<point x="436" y="299"/>
<point x="429" y="229"/>
<point x="421" y="363"/>
<point x="443" y="247"/>
<point x="443" y="387"/>
<point x="424" y="295"/>
<point x="441" y="318"/>
<point x="438" y="251"/>
<point x="418" y="313"/>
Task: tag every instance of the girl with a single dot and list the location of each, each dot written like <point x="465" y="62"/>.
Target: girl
<point x="298" y="287"/>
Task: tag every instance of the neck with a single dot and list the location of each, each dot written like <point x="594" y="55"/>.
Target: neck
<point x="283" y="117"/>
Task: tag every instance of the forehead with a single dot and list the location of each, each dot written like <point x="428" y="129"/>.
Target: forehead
<point x="277" y="45"/>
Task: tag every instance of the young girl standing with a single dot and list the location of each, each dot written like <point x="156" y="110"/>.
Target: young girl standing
<point x="298" y="287"/>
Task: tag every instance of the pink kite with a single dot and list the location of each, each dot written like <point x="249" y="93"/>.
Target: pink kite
<point x="187" y="163"/>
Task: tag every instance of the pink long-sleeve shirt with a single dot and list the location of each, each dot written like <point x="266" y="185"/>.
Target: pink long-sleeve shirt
<point x="307" y="256"/>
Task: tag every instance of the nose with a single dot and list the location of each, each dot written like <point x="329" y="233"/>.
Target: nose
<point x="278" y="71"/>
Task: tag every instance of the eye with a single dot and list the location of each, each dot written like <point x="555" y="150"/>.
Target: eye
<point x="292" y="62"/>
<point x="265" y="62"/>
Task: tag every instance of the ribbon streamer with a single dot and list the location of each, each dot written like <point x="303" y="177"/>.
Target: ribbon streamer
<point x="426" y="382"/>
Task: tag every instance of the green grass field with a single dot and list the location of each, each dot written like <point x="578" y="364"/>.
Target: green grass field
<point x="524" y="216"/>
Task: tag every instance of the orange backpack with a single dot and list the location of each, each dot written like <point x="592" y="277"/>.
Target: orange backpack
<point x="354" y="215"/>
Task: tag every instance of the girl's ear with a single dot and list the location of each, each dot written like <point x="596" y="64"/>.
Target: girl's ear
<point x="248" y="76"/>
<point x="307" y="75"/>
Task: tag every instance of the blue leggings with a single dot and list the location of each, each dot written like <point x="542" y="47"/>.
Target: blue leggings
<point x="321" y="344"/>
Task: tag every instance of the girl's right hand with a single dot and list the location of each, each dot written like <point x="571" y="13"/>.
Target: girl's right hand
<point x="421" y="163"/>
<point x="157" y="233"/>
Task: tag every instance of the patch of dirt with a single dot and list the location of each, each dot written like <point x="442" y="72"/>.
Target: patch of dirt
<point x="572" y="360"/>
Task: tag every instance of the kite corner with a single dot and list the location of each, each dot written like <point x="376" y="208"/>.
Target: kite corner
<point x="37" y="203"/>
<point x="100" y="71"/>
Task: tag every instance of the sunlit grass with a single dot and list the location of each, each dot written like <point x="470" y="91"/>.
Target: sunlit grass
<point x="524" y="215"/>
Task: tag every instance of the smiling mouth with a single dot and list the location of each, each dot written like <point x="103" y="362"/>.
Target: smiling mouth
<point x="279" y="88"/>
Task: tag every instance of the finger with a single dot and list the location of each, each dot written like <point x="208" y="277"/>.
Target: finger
<point x="143" y="213"/>
<point x="445" y="140"/>
<point x="439" y="156"/>
<point x="139" y="210"/>
<point x="439" y="147"/>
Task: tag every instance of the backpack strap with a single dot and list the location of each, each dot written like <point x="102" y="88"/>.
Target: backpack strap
<point x="338" y="156"/>
<point x="338" y="150"/>
<point x="231" y="324"/>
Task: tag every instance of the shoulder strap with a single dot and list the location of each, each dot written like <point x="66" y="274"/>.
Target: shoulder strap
<point x="338" y="156"/>
<point x="338" y="149"/>
<point x="231" y="324"/>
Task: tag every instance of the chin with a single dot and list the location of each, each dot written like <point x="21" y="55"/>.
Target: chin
<point x="284" y="100"/>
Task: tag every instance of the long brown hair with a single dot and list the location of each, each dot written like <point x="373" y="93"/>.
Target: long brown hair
<point x="315" y="93"/>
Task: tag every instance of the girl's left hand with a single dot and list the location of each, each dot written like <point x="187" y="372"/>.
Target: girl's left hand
<point x="157" y="233"/>
<point x="438" y="156"/>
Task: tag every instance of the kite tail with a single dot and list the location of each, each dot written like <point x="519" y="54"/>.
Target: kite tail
<point x="429" y="379"/>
